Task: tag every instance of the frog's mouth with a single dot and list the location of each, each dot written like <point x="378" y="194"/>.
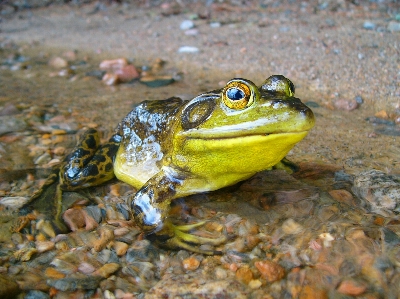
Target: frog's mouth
<point x="260" y="127"/>
<point x="244" y="135"/>
<point x="274" y="134"/>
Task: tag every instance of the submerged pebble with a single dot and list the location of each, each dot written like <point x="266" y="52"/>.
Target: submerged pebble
<point x="379" y="192"/>
<point x="270" y="270"/>
<point x="190" y="263"/>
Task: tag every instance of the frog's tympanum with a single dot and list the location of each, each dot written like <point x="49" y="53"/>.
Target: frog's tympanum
<point x="173" y="148"/>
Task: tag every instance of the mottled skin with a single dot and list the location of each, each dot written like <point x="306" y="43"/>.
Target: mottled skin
<point x="173" y="148"/>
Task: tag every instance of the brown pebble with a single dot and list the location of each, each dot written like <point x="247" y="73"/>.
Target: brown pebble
<point x="74" y="219"/>
<point x="106" y="235"/>
<point x="342" y="196"/>
<point x="270" y="270"/>
<point x="382" y="114"/>
<point x="347" y="105"/>
<point x="120" y="248"/>
<point x="312" y="292"/>
<point x="106" y="270"/>
<point x="244" y="275"/>
<point x="379" y="220"/>
<point x="190" y="263"/>
<point x="59" y="150"/>
<point x="351" y="287"/>
<point x="53" y="273"/>
<point x="127" y="73"/>
<point x="40" y="237"/>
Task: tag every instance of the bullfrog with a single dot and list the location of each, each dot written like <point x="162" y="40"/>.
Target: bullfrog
<point x="174" y="148"/>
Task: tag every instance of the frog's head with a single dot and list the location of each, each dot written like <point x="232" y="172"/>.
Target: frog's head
<point x="241" y="128"/>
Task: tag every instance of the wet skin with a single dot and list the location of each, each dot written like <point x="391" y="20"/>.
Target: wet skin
<point x="173" y="148"/>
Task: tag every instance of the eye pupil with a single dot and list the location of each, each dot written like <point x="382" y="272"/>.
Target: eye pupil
<point x="235" y="94"/>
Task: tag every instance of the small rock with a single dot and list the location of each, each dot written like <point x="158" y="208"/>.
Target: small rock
<point x="220" y="273"/>
<point x="43" y="246"/>
<point x="347" y="105"/>
<point x="255" y="284"/>
<point x="187" y="24"/>
<point x="379" y="192"/>
<point x="156" y="81"/>
<point x="110" y="79"/>
<point x="51" y="272"/>
<point x="13" y="202"/>
<point x="382" y="114"/>
<point x="244" y="275"/>
<point x="342" y="196"/>
<point x="291" y="227"/>
<point x="120" y="248"/>
<point x="394" y="26"/>
<point x="359" y="99"/>
<point x="188" y="49"/>
<point x="215" y="24"/>
<point x="10" y="123"/>
<point x="58" y="63"/>
<point x="86" y="268"/>
<point x="127" y="73"/>
<point x="190" y="263"/>
<point x="106" y="235"/>
<point x="270" y="270"/>
<point x="351" y="287"/>
<point x="25" y="254"/>
<point x="192" y="32"/>
<point x="369" y="25"/>
<point x="327" y="239"/>
<point x="106" y="270"/>
<point x="113" y="64"/>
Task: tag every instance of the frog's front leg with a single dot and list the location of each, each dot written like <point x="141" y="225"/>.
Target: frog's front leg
<point x="151" y="204"/>
<point x="89" y="164"/>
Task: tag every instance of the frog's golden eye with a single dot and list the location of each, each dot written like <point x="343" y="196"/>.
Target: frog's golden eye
<point x="237" y="94"/>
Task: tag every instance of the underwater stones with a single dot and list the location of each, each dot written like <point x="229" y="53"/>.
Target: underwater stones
<point x="379" y="192"/>
<point x="190" y="263"/>
<point x="270" y="270"/>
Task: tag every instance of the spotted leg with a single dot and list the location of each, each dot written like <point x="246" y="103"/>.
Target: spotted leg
<point x="151" y="205"/>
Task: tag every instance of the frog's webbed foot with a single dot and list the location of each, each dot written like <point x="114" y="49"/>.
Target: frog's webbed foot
<point x="178" y="236"/>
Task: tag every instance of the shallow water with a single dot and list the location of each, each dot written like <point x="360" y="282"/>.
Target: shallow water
<point x="325" y="244"/>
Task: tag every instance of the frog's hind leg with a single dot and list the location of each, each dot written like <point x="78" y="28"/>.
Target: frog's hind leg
<point x="89" y="164"/>
<point x="48" y="201"/>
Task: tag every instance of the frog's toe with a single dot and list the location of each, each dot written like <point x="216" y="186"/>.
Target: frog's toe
<point x="179" y="237"/>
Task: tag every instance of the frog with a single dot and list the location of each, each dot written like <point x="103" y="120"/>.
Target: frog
<point x="173" y="148"/>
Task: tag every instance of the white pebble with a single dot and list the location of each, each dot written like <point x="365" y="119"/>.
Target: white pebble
<point x="215" y="24"/>
<point x="187" y="24"/>
<point x="188" y="49"/>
